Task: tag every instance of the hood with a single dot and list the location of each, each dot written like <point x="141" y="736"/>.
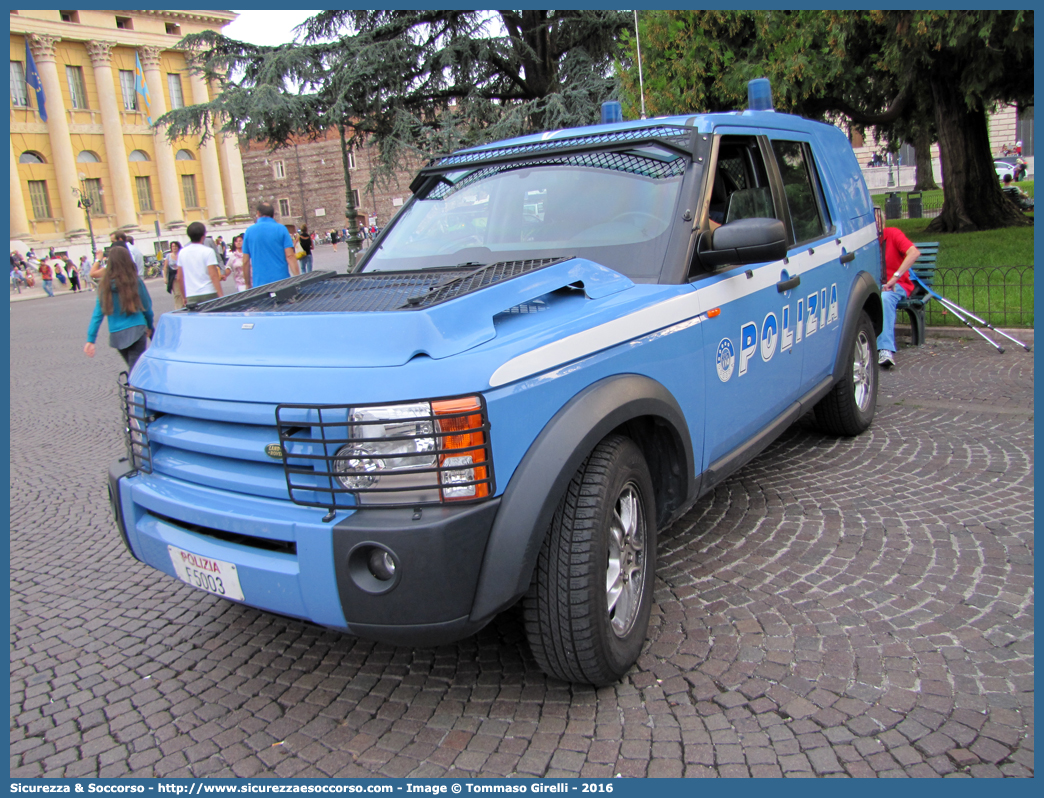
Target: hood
<point x="297" y="337"/>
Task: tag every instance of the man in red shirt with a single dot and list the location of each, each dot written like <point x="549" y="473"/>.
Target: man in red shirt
<point x="900" y="254"/>
<point x="47" y="277"/>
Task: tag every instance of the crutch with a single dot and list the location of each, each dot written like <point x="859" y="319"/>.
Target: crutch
<point x="958" y="314"/>
<point x="957" y="310"/>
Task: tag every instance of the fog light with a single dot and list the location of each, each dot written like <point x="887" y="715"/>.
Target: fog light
<point x="373" y="568"/>
<point x="381" y="564"/>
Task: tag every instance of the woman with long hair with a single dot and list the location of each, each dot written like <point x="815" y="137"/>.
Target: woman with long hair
<point x="235" y="262"/>
<point x="173" y="284"/>
<point x="125" y="302"/>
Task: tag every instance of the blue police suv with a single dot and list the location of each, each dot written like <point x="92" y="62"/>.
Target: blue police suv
<point x="556" y="347"/>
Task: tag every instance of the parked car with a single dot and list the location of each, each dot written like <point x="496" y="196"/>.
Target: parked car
<point x="557" y="346"/>
<point x="1016" y="167"/>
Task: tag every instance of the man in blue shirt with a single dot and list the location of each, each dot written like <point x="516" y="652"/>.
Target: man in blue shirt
<point x="268" y="250"/>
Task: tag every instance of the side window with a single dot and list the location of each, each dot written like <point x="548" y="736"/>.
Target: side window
<point x="740" y="189"/>
<point x="801" y="188"/>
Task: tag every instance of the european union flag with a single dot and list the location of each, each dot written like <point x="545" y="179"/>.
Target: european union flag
<point x="142" y="88"/>
<point x="32" y="79"/>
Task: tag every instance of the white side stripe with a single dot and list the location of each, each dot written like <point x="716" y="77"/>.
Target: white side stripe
<point x="674" y="310"/>
<point x="633" y="325"/>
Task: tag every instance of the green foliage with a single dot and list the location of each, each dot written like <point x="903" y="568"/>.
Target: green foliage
<point x="916" y="75"/>
<point x="410" y="82"/>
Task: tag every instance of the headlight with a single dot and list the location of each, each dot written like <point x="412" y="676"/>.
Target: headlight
<point x="416" y="453"/>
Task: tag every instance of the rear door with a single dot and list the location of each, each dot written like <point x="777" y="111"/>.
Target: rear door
<point x="813" y="254"/>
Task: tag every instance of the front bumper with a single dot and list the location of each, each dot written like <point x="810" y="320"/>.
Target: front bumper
<point x="292" y="563"/>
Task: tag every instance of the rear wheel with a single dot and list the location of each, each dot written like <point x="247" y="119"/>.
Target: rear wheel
<point x="587" y="609"/>
<point x="849" y="407"/>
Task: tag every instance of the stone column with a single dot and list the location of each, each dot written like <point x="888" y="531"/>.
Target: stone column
<point x="208" y="158"/>
<point x="58" y="132"/>
<point x="236" y="204"/>
<point x="112" y="126"/>
<point x="19" y="218"/>
<point x="170" y="193"/>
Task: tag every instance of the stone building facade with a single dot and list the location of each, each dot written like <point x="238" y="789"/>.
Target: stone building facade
<point x="304" y="182"/>
<point x="96" y="140"/>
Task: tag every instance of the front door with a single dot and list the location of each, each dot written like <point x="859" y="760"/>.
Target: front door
<point x="752" y="364"/>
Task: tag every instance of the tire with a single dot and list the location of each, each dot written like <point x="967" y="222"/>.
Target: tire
<point x="849" y="407"/>
<point x="587" y="609"/>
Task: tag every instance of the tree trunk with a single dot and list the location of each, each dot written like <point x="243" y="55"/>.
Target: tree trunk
<point x="972" y="196"/>
<point x="924" y="179"/>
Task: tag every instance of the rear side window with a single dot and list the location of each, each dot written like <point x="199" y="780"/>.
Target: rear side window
<point x="807" y="212"/>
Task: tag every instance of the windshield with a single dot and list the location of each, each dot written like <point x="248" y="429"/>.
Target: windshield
<point x="614" y="208"/>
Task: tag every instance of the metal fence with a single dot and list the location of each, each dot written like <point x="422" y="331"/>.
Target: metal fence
<point x="1003" y="295"/>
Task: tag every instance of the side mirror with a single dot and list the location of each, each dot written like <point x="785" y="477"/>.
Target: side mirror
<point x="743" y="241"/>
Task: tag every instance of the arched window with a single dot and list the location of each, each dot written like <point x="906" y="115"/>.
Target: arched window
<point x="31" y="157"/>
<point x="184" y="155"/>
<point x="138" y="155"/>
<point x="87" y="156"/>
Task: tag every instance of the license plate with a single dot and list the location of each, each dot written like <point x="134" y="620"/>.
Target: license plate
<point x="214" y="576"/>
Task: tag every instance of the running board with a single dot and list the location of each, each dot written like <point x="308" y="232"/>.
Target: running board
<point x="733" y="461"/>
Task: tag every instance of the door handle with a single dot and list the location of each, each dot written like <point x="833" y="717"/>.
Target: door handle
<point x="848" y="257"/>
<point x="786" y="285"/>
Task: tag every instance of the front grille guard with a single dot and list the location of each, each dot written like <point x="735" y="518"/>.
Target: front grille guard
<point x="310" y="437"/>
<point x="136" y="419"/>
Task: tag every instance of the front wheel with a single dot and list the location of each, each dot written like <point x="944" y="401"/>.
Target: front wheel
<point x="849" y="407"/>
<point x="587" y="609"/>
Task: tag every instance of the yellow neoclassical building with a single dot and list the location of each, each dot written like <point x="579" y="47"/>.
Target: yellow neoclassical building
<point x="96" y="140"/>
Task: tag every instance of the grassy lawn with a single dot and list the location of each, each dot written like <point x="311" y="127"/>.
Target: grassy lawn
<point x="974" y="269"/>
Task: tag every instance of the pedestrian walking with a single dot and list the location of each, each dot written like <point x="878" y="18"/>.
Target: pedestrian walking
<point x="170" y="264"/>
<point x="268" y="250"/>
<point x="235" y="262"/>
<point x="305" y="242"/>
<point x="333" y="239"/>
<point x="124" y="302"/>
<point x="74" y="276"/>
<point x="198" y="269"/>
<point x="47" y="277"/>
<point x="85" y="274"/>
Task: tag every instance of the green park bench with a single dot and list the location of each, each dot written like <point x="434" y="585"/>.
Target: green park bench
<point x="924" y="267"/>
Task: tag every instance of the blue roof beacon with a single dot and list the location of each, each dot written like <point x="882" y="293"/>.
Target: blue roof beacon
<point x="627" y="312"/>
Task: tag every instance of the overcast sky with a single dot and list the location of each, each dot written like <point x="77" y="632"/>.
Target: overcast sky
<point x="266" y="27"/>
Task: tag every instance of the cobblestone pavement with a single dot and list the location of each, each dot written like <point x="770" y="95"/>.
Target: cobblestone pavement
<point x="838" y="608"/>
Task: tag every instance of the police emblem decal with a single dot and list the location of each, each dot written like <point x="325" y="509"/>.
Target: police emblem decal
<point x="725" y="359"/>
